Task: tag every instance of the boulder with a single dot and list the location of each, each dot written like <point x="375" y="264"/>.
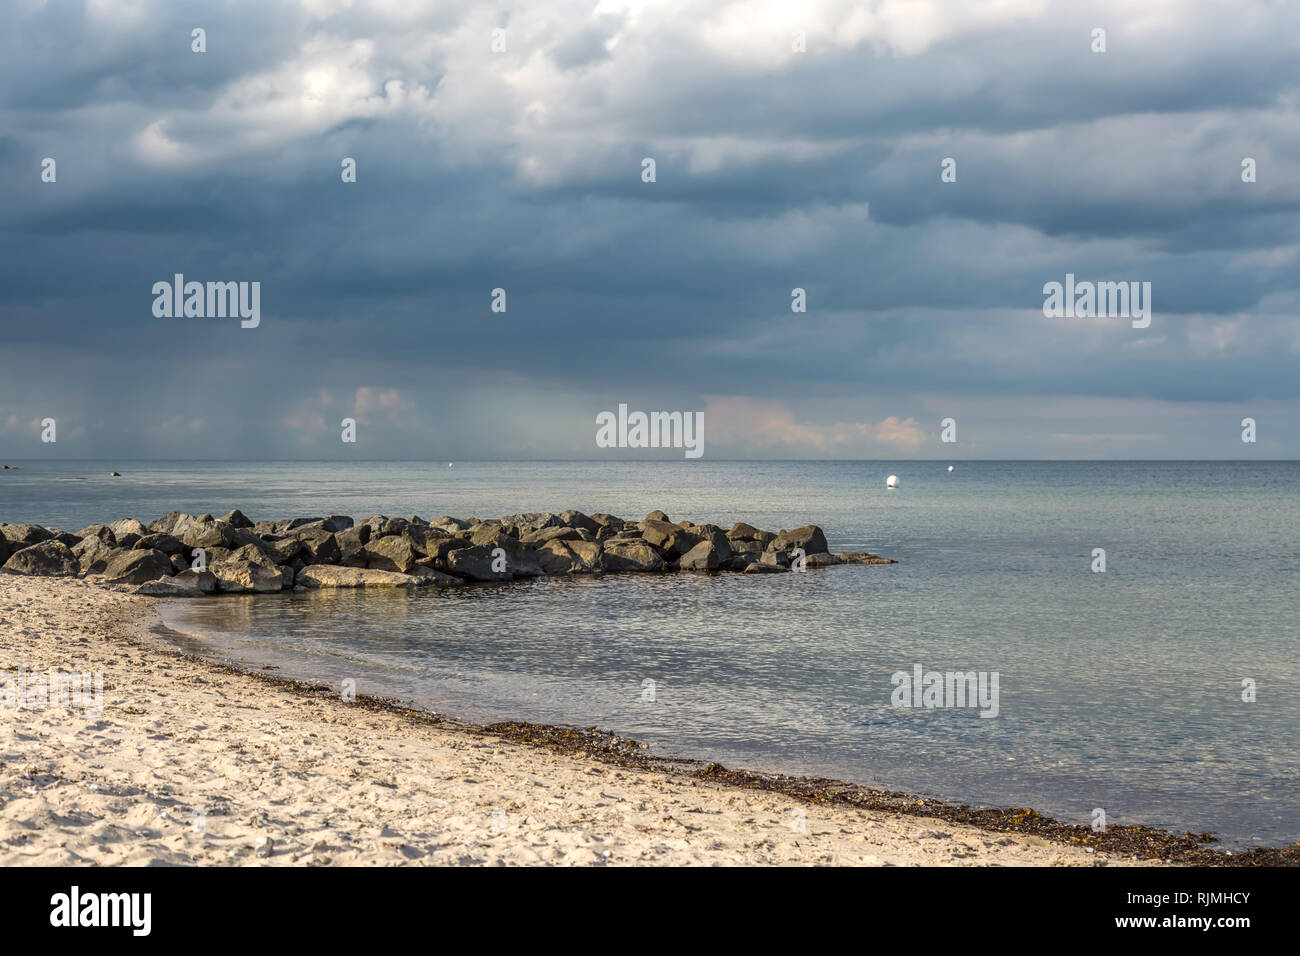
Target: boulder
<point x="160" y="541"/>
<point x="448" y="523"/>
<point x="316" y="546"/>
<point x="631" y="556"/>
<point x="576" y="519"/>
<point x="127" y="531"/>
<point x="434" y="578"/>
<point x="354" y="558"/>
<point x="759" y="567"/>
<point x="237" y="577"/>
<point x="550" y="533"/>
<point x="101" y="531"/>
<point x="743" y="532"/>
<point x="24" y="535"/>
<point x="475" y="563"/>
<point x="820" y="559"/>
<point x="776" y="559"/>
<point x="439" y="548"/>
<point x="236" y="519"/>
<point x="168" y="588"/>
<point x="168" y="522"/>
<point x="739" y="562"/>
<point x="390" y="554"/>
<point x="705" y="556"/>
<point x="66" y="537"/>
<point x="809" y="537"/>
<point x="667" y="536"/>
<point x="424" y="538"/>
<point x="330" y="576"/>
<point x="591" y="554"/>
<point x="48" y="558"/>
<point x="353" y="538"/>
<point x="863" y="557"/>
<point x="136" y="567"/>
<point x="656" y="516"/>
<point x="532" y="521"/>
<point x="556" y="557"/>
<point x="204" y="581"/>
<point x="93" y="553"/>
<point x="253" y="554"/>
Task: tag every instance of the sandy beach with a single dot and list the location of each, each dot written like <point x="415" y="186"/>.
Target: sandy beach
<point x="193" y="763"/>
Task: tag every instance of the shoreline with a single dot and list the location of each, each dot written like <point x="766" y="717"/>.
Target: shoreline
<point x="1146" y="844"/>
<point x="453" y="779"/>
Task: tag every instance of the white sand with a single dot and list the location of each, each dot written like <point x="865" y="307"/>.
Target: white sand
<point x="283" y="777"/>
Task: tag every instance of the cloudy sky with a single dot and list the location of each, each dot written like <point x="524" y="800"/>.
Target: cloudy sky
<point x="775" y="168"/>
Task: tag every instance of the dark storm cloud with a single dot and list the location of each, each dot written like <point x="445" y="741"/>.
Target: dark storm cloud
<point x="521" y="170"/>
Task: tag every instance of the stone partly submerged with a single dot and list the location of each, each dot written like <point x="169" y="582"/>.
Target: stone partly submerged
<point x="184" y="555"/>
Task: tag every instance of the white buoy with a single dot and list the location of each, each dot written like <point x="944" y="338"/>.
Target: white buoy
<point x="891" y="482"/>
<point x="950" y="467"/>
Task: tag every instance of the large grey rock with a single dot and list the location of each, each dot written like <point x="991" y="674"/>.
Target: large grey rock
<point x="809" y="537"/>
<point x="432" y="577"/>
<point x="532" y="521"/>
<point x="353" y="537"/>
<point x="237" y="519"/>
<point x="476" y="564"/>
<point x="673" y="540"/>
<point x="743" y="532"/>
<point x="631" y="556"/>
<point x="136" y="567"/>
<point x="576" y="519"/>
<point x="101" y="531"/>
<point x="47" y="558"/>
<point x="705" y="556"/>
<point x="863" y="557"/>
<point x="236" y="577"/>
<point x="571" y="557"/>
<point x="551" y="533"/>
<point x="168" y="588"/>
<point x="160" y="541"/>
<point x="127" y="531"/>
<point x="424" y="538"/>
<point x="448" y="523"/>
<point x="93" y="553"/>
<point x="391" y="553"/>
<point x="332" y="576"/>
<point x="311" y="544"/>
<point x="168" y="522"/>
<point x="21" y="536"/>
<point x="204" y="581"/>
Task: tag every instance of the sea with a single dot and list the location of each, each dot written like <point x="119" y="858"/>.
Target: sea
<point x="1162" y="690"/>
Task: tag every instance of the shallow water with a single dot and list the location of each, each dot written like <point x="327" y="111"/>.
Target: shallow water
<point x="1119" y="690"/>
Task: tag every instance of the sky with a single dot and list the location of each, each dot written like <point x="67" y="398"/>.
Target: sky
<point x="795" y="146"/>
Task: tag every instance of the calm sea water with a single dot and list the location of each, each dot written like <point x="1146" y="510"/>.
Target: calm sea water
<point x="1119" y="690"/>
